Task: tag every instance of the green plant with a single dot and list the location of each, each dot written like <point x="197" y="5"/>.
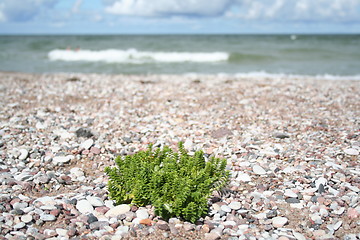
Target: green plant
<point x="175" y="183"/>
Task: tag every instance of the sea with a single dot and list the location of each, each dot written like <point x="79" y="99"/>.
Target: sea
<point x="331" y="56"/>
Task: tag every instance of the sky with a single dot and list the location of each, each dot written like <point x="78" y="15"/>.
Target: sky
<point x="179" y="16"/>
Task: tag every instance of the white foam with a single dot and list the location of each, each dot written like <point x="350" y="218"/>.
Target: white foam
<point x="135" y="56"/>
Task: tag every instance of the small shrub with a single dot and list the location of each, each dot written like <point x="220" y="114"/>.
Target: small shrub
<point x="176" y="184"/>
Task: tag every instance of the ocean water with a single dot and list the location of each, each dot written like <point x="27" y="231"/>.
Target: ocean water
<point x="330" y="55"/>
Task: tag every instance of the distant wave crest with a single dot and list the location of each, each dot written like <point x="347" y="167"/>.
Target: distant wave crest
<point x="135" y="56"/>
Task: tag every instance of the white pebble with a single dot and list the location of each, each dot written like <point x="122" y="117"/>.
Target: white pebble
<point x="258" y="170"/>
<point x="87" y="144"/>
<point x="279" y="222"/>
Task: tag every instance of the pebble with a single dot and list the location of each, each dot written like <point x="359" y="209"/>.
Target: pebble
<point x="26" y="218"/>
<point x="87" y="144"/>
<point x="47" y="217"/>
<point x="314" y="170"/>
<point x="116" y="211"/>
<point x="298" y="235"/>
<point x="243" y="177"/>
<point x="258" y="170"/>
<point x="279" y="222"/>
<point x="142" y="214"/>
<point x="95" y="201"/>
<point x="23" y="154"/>
<point x="351" y="151"/>
<point x="225" y="208"/>
<point x="62" y="159"/>
<point x="235" y="205"/>
<point x="19" y="225"/>
<point x="84" y="206"/>
<point x="290" y="193"/>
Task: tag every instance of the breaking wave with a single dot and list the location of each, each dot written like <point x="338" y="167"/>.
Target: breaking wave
<point x="135" y="56"/>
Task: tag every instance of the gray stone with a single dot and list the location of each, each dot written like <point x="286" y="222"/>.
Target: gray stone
<point x="292" y="200"/>
<point x="98" y="225"/>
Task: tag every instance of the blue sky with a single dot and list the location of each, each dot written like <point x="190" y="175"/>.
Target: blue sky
<point x="178" y="16"/>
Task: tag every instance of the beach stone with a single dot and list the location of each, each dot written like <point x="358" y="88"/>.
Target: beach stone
<point x="26" y="218"/>
<point x="20" y="205"/>
<point x="351" y="151"/>
<point x="298" y="236"/>
<point x="146" y="221"/>
<point x="62" y="159"/>
<point x="319" y="233"/>
<point x="221" y="132"/>
<point x="115" y="211"/>
<point x="24" y="176"/>
<point x="243" y="177"/>
<point x="352" y="213"/>
<point x="279" y="222"/>
<point x="91" y="218"/>
<point x="292" y="200"/>
<point x="84" y="132"/>
<point x="258" y="170"/>
<point x="122" y="230"/>
<point x="19" y="225"/>
<point x="271" y="214"/>
<point x="225" y="208"/>
<point x="47" y="217"/>
<point x="87" y="144"/>
<point x="235" y="205"/>
<point x="23" y="154"/>
<point x="290" y="193"/>
<point x="188" y="226"/>
<point x="61" y="231"/>
<point x="98" y="225"/>
<point x="162" y="225"/>
<point x="142" y="214"/>
<point x="95" y="201"/>
<point x="281" y="135"/>
<point x="84" y="206"/>
<point x="212" y="236"/>
<point x="320" y="180"/>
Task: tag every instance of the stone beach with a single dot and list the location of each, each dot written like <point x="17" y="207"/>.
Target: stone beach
<point x="292" y="146"/>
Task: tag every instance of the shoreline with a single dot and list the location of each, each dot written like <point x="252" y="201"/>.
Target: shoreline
<point x="292" y="146"/>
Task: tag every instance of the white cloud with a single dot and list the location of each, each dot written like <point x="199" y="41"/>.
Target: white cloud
<point x="279" y="10"/>
<point x="23" y="10"/>
<point x="76" y="6"/>
<point x="167" y="7"/>
<point x="300" y="10"/>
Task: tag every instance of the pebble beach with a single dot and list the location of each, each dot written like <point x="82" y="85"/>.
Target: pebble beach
<point x="291" y="143"/>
